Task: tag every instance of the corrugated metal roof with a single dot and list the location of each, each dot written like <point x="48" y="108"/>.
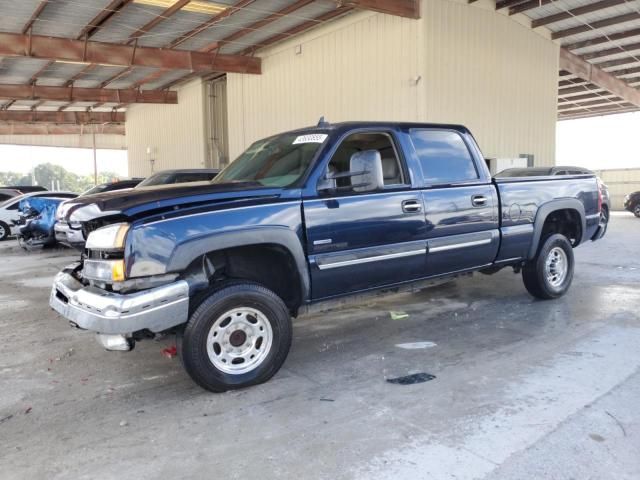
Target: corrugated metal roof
<point x="15" y="14"/>
<point x="624" y="63"/>
<point x="234" y="23"/>
<point x="68" y="18"/>
<point x="310" y="12"/>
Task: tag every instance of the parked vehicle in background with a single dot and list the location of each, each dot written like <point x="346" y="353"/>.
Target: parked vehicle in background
<point x="112" y="186"/>
<point x="26" y="188"/>
<point x="10" y="213"/>
<point x="72" y="235"/>
<point x="564" y="170"/>
<point x="543" y="171"/>
<point x="167" y="177"/>
<point x="300" y="219"/>
<point x="632" y="203"/>
<point x="37" y="220"/>
<point x="7" y="193"/>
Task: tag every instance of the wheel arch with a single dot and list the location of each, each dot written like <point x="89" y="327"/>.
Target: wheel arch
<point x="273" y="257"/>
<point x="570" y="206"/>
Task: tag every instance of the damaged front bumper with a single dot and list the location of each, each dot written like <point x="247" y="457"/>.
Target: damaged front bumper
<point x="90" y="308"/>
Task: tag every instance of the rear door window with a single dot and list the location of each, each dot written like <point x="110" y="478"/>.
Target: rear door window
<point x="444" y="156"/>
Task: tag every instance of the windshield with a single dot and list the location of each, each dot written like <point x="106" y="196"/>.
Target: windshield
<point x="96" y="189"/>
<point x="277" y="161"/>
<point x="159" y="178"/>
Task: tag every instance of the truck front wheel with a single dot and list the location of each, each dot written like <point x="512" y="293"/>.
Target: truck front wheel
<point x="239" y="336"/>
<point x="550" y="273"/>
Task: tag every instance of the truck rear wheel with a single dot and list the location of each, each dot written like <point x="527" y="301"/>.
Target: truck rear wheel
<point x="239" y="336"/>
<point x="550" y="273"/>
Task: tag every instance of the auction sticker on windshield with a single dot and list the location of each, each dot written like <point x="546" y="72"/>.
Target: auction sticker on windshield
<point x="312" y="138"/>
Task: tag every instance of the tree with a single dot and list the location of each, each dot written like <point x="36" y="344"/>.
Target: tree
<point x="53" y="176"/>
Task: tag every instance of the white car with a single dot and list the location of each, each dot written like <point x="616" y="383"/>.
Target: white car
<point x="9" y="212"/>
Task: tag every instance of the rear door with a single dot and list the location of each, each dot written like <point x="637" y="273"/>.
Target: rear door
<point x="362" y="240"/>
<point x="461" y="204"/>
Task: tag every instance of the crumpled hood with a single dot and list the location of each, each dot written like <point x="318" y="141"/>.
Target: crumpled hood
<point x="140" y="202"/>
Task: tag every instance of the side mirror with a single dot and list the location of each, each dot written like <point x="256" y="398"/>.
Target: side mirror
<point x="366" y="171"/>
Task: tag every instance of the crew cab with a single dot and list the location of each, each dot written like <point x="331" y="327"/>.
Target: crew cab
<point x="301" y="219"/>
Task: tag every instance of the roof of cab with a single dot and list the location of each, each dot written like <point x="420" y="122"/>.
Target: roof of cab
<point x="352" y="125"/>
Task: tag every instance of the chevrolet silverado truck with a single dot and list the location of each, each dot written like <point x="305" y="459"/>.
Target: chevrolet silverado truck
<point x="301" y="219"/>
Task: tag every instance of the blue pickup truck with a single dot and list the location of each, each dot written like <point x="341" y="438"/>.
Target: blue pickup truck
<point x="301" y="219"/>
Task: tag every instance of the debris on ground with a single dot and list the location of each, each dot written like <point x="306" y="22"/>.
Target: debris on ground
<point x="327" y="400"/>
<point x="66" y="354"/>
<point x="416" y="345"/>
<point x="412" y="379"/>
<point x="398" y="315"/>
<point x="124" y="423"/>
<point x="28" y="410"/>
<point x="4" y="419"/>
<point x="170" y="352"/>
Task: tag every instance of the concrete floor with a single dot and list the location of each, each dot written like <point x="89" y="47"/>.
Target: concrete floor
<point x="523" y="388"/>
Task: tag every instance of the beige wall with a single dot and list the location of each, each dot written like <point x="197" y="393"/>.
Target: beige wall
<point x="116" y="142"/>
<point x="459" y="63"/>
<point x="621" y="182"/>
<point x="176" y="134"/>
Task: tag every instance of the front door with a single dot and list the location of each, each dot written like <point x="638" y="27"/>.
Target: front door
<point x="357" y="241"/>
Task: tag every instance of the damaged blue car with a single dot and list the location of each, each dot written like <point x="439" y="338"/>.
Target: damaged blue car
<point x="37" y="218"/>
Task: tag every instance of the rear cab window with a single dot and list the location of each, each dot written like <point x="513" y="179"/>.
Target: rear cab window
<point x="444" y="157"/>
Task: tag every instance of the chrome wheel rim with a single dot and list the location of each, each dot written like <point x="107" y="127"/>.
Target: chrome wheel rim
<point x="556" y="266"/>
<point x="3" y="232"/>
<point x="636" y="210"/>
<point x="239" y="340"/>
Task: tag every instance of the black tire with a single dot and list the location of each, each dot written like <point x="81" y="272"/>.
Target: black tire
<point x="192" y="342"/>
<point x="604" y="220"/>
<point x="5" y="231"/>
<point x="536" y="276"/>
<point x="636" y="210"/>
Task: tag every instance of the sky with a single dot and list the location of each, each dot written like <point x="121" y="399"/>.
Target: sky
<point x="21" y="158"/>
<point x="611" y="141"/>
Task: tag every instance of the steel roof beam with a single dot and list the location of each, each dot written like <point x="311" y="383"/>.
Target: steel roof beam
<point x="598" y="113"/>
<point x="500" y="4"/>
<point x="53" y="129"/>
<point x="592" y="7"/>
<point x="634" y="32"/>
<point x="583" y="69"/>
<point x="63" y="49"/>
<point x="612" y="51"/>
<point x="60" y="117"/>
<point x="613" y="101"/>
<point x="400" y="8"/>
<point x="102" y="95"/>
<point x="627" y="17"/>
<point x="587" y="96"/>
<point x="34" y="16"/>
<point x="528" y="5"/>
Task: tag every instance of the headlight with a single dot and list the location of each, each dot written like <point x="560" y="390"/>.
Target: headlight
<point x="104" y="270"/>
<point x="110" y="237"/>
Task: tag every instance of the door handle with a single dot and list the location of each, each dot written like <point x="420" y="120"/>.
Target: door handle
<point x="478" y="200"/>
<point x="411" y="206"/>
